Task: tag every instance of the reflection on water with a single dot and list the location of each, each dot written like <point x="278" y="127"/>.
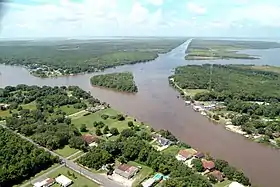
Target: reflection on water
<point x="157" y="103"/>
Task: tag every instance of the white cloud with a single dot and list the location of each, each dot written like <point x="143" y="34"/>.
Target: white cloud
<point x="196" y="8"/>
<point x="261" y="14"/>
<point x="155" y="2"/>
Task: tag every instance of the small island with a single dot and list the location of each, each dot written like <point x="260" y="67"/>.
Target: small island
<point x="243" y="97"/>
<point x="224" y="49"/>
<point x="118" y="81"/>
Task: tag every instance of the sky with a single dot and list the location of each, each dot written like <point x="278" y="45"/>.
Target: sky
<point x="89" y="18"/>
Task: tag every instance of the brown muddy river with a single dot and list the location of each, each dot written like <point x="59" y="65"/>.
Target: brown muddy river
<point x="157" y="103"/>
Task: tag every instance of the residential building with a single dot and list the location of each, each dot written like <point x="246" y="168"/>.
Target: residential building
<point x="90" y="139"/>
<point x="45" y="183"/>
<point x="235" y="184"/>
<point x="148" y="183"/>
<point x="217" y="175"/>
<point x="63" y="181"/>
<point x="163" y="141"/>
<point x="185" y="154"/>
<point x="208" y="165"/>
<point x="126" y="171"/>
<point x="199" y="155"/>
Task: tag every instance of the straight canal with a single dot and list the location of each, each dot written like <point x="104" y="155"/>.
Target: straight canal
<point x="157" y="103"/>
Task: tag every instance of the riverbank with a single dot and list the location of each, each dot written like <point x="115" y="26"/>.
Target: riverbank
<point x="217" y="112"/>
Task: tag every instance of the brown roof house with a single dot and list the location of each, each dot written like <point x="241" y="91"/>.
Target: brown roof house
<point x="217" y="175"/>
<point x="126" y="171"/>
<point x="90" y="139"/>
<point x="185" y="154"/>
<point x="208" y="165"/>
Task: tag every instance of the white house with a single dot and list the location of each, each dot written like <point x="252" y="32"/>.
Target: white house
<point x="235" y="184"/>
<point x="63" y="181"/>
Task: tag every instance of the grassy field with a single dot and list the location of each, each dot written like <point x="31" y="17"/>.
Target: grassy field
<point x="78" y="180"/>
<point x="225" y="183"/>
<point x="66" y="151"/>
<point x="172" y="150"/>
<point x="265" y="68"/>
<point x="69" y="109"/>
<point x="193" y="92"/>
<point x="89" y="119"/>
<point x="143" y="173"/>
<point x="30" y="106"/>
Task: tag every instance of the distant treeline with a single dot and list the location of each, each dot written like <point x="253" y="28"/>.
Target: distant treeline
<point x="82" y="56"/>
<point x="118" y="81"/>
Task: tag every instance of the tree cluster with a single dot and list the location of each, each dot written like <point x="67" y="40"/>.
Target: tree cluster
<point x="229" y="82"/>
<point x="118" y="81"/>
<point x="19" y="159"/>
<point x="131" y="147"/>
<point x="46" y="124"/>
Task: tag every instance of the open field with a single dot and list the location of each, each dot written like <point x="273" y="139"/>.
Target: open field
<point x="78" y="180"/>
<point x="224" y="49"/>
<point x="112" y="123"/>
<point x="66" y="151"/>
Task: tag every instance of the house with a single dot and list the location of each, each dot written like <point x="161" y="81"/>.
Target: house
<point x="185" y="154"/>
<point x="148" y="183"/>
<point x="63" y="181"/>
<point x="4" y="106"/>
<point x="199" y="155"/>
<point x="126" y="171"/>
<point x="45" y="183"/>
<point x="163" y="141"/>
<point x="235" y="184"/>
<point x="208" y="165"/>
<point x="217" y="175"/>
<point x="90" y="139"/>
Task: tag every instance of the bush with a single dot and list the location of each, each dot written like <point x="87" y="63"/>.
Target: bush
<point x="104" y="116"/>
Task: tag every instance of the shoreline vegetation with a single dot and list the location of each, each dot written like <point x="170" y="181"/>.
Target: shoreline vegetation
<point x="123" y="82"/>
<point x="244" y="98"/>
<point x="224" y="49"/>
<point x="70" y="118"/>
<point x="71" y="57"/>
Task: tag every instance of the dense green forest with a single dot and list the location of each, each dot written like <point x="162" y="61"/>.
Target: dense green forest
<point x="118" y="81"/>
<point x="45" y="58"/>
<point x="19" y="159"/>
<point x="229" y="82"/>
<point x="132" y="146"/>
<point x="47" y="124"/>
<point x="224" y="49"/>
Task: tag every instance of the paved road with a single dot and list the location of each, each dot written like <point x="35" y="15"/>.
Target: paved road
<point x="103" y="180"/>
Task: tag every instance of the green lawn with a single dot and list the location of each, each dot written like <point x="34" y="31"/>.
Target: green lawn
<point x="30" y="106"/>
<point x="69" y="109"/>
<point x="142" y="174"/>
<point x="225" y="183"/>
<point x="89" y="119"/>
<point x="193" y="92"/>
<point x="4" y="113"/>
<point x="78" y="180"/>
<point x="66" y="151"/>
<point x="76" y="156"/>
<point x="172" y="150"/>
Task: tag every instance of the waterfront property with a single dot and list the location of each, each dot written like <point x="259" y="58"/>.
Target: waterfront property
<point x="208" y="165"/>
<point x="185" y="154"/>
<point x="219" y="176"/>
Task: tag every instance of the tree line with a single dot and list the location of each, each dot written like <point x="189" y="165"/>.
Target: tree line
<point x="19" y="159"/>
<point x="118" y="81"/>
<point x="72" y="57"/>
